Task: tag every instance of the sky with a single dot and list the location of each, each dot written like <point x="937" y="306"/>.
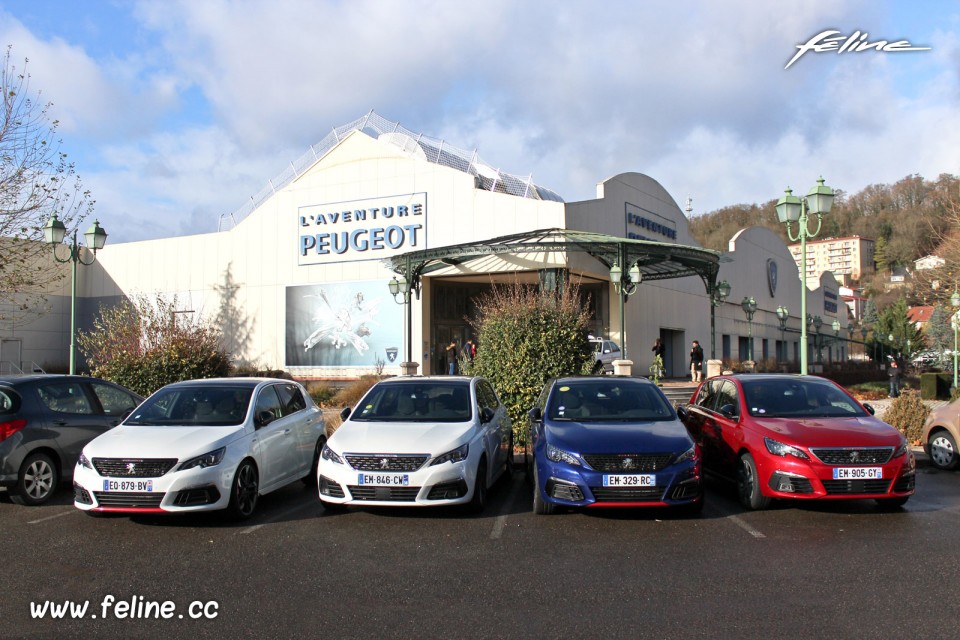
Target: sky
<point x="176" y="112"/>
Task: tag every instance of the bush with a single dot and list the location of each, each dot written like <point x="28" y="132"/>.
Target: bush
<point x="525" y="338"/>
<point x="144" y="344"/>
<point x="351" y="394"/>
<point x="935" y="386"/>
<point x="321" y="392"/>
<point x="908" y="413"/>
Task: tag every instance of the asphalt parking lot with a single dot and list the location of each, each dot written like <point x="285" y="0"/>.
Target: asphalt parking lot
<point x="841" y="570"/>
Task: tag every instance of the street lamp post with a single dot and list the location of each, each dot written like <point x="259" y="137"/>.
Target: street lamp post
<point x="954" y="321"/>
<point x="792" y="209"/>
<point x="782" y="315"/>
<point x="53" y="233"/>
<point x="626" y="285"/>
<point x="405" y="288"/>
<point x="817" y="322"/>
<point x="719" y="293"/>
<point x="835" y="325"/>
<point x="863" y="336"/>
<point x="749" y="308"/>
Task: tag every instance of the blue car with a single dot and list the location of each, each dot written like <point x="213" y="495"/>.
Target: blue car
<point x="610" y="442"/>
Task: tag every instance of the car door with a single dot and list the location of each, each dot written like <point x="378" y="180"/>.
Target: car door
<point x="72" y="417"/>
<point x="276" y="440"/>
<point x="303" y="422"/>
<point x="496" y="439"/>
<point x="727" y="434"/>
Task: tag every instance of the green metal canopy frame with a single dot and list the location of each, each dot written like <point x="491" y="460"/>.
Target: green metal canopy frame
<point x="656" y="260"/>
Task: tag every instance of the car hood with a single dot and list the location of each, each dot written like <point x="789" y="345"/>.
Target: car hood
<point x="134" y="441"/>
<point x="400" y="437"/>
<point x="863" y="431"/>
<point x="619" y="437"/>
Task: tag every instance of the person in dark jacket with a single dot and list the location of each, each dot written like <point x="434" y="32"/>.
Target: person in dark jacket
<point x="696" y="362"/>
<point x="894" y="372"/>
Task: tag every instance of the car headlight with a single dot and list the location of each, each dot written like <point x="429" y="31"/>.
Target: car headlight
<point x="902" y="449"/>
<point x="689" y="454"/>
<point x="780" y="449"/>
<point x="559" y="455"/>
<point x="209" y="459"/>
<point x="457" y="455"/>
<point x="84" y="461"/>
<point x="328" y="454"/>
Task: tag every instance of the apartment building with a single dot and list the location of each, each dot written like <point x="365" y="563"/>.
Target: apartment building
<point x="848" y="258"/>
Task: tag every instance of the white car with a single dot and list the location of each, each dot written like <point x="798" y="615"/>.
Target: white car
<point x="418" y="441"/>
<point x="203" y="445"/>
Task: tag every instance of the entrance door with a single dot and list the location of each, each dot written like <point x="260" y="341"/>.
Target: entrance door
<point x="10" y="355"/>
<point x="444" y="334"/>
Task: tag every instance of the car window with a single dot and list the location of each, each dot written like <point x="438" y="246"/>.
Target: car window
<point x="9" y="401"/>
<point x="707" y="396"/>
<point x="268" y="401"/>
<point x="115" y="402"/>
<point x="727" y="398"/>
<point x="791" y="397"/>
<point x="613" y="400"/>
<point x="199" y="406"/>
<point x="291" y="398"/>
<point x="612" y="346"/>
<point x="486" y="396"/>
<point x="417" y="401"/>
<point x="65" y="397"/>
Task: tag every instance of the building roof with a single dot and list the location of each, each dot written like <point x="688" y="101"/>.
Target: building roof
<point x="920" y="314"/>
<point x="414" y="144"/>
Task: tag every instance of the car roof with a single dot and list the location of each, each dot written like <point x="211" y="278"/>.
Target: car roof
<point x="396" y="379"/>
<point x="568" y="379"/>
<point x="245" y="383"/>
<point x="16" y="378"/>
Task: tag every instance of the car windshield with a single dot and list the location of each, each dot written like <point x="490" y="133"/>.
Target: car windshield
<point x="608" y="400"/>
<point x="795" y="398"/>
<point x="417" y="401"/>
<point x="196" y="406"/>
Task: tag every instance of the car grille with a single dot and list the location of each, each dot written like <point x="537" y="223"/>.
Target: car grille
<point x="627" y="494"/>
<point x="835" y="487"/>
<point x="384" y="494"/>
<point x="141" y="467"/>
<point x="628" y="462"/>
<point x="386" y="462"/>
<point x="854" y="455"/>
<point x="129" y="500"/>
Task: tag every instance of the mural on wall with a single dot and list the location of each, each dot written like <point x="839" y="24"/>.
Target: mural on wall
<point x="344" y="324"/>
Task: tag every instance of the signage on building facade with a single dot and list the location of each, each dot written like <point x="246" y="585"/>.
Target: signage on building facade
<point x="370" y="229"/>
<point x="772" y="276"/>
<point x="646" y="225"/>
<point x="829" y="301"/>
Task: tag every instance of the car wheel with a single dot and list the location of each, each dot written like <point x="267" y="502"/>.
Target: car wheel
<point x="245" y="491"/>
<point x="892" y="503"/>
<point x="37" y="480"/>
<point x="748" y="485"/>
<point x="479" y="501"/>
<point x="540" y="506"/>
<point x="943" y="451"/>
<point x="311" y="478"/>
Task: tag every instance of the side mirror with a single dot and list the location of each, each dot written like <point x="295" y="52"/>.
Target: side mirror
<point x="728" y="411"/>
<point x="682" y="413"/>
<point x="344" y="413"/>
<point x="536" y="415"/>
<point x="870" y="409"/>
<point x="486" y="415"/>
<point x="263" y="419"/>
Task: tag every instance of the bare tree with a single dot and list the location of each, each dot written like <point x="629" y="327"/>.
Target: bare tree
<point x="36" y="182"/>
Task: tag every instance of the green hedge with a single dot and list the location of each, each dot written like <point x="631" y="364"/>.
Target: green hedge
<point x="935" y="386"/>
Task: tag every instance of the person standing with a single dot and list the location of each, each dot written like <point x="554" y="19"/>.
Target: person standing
<point x="659" y="350"/>
<point x="470" y="350"/>
<point x="894" y="372"/>
<point x="696" y="362"/>
<point x="452" y="358"/>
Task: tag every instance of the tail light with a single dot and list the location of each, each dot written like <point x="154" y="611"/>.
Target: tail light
<point x="10" y="427"/>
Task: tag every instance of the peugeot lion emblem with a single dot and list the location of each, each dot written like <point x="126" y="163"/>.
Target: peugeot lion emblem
<point x="130" y="468"/>
<point x="772" y="276"/>
<point x="854" y="456"/>
<point x="392" y="353"/>
<point x="628" y="463"/>
<point x="384" y="463"/>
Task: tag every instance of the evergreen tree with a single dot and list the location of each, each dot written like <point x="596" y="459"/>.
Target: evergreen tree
<point x="894" y="323"/>
<point x="939" y="334"/>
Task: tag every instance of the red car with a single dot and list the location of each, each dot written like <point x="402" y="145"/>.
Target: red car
<point x="797" y="437"/>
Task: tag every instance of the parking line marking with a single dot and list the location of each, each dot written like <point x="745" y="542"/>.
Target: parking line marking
<point x="746" y="527"/>
<point x="56" y="515"/>
<point x="501" y="520"/>
<point x="276" y="517"/>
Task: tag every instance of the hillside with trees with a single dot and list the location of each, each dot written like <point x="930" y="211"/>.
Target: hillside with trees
<point x="909" y="219"/>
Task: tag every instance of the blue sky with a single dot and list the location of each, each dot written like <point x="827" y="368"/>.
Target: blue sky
<point x="175" y="112"/>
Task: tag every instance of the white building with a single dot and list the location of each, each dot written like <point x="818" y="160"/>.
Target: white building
<point x="299" y="276"/>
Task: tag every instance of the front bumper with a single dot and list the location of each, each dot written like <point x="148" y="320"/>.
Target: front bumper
<point x="195" y="489"/>
<point x="443" y="484"/>
<point x="573" y="486"/>
<point x="789" y="477"/>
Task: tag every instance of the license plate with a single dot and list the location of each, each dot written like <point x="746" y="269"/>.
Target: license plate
<point x="858" y="473"/>
<point x="384" y="479"/>
<point x="631" y="480"/>
<point x="141" y="486"/>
